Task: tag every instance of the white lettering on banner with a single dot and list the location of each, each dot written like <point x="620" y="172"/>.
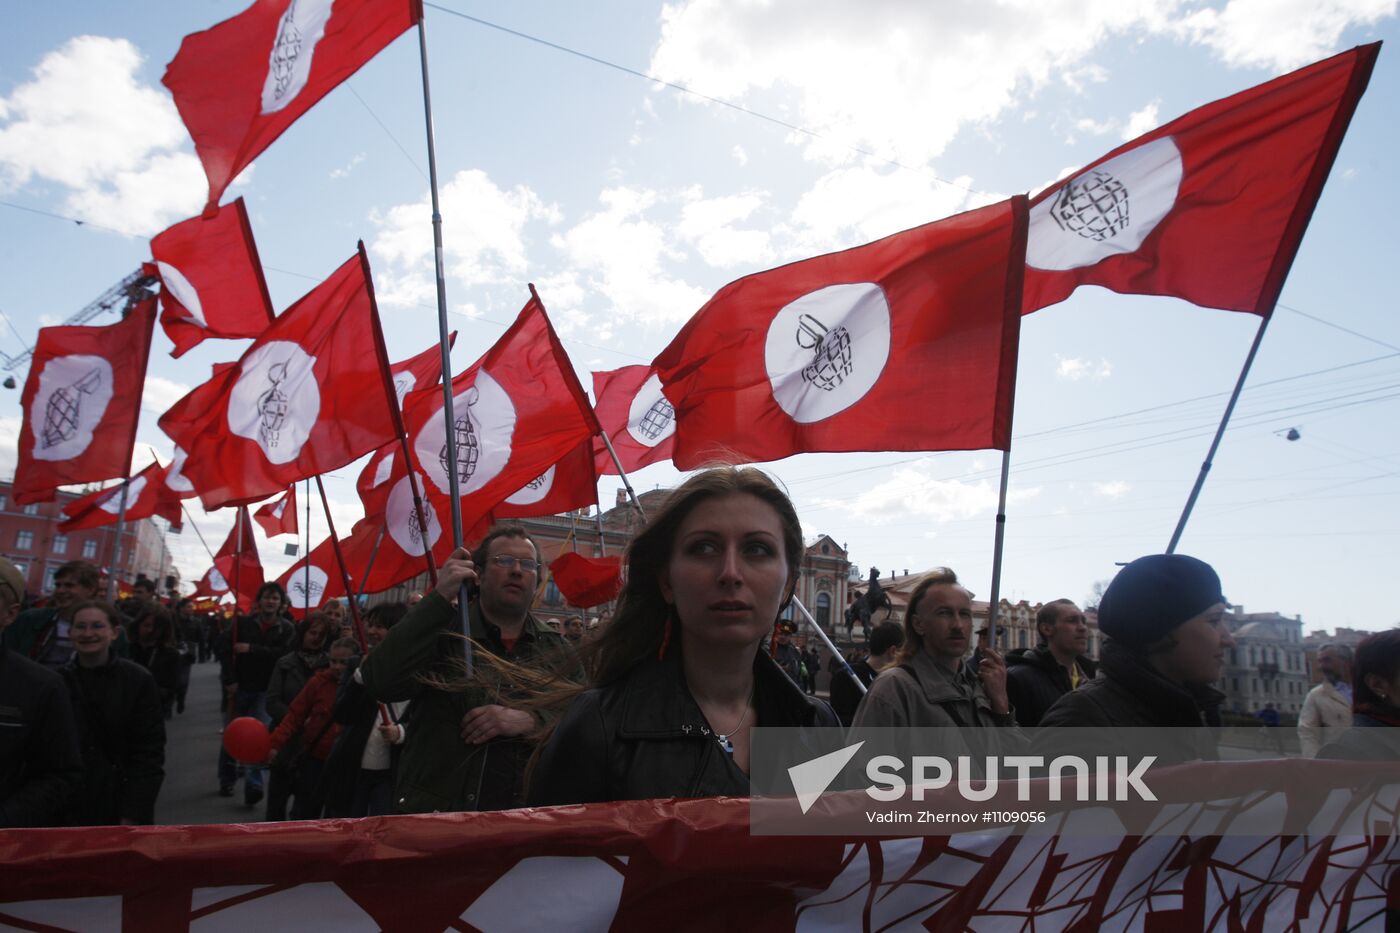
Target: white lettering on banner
<point x="651" y="418"/>
<point x="74" y="392"/>
<point x="276" y="400"/>
<point x="1106" y="211"/>
<point x="112" y="505"/>
<point x="289" y="62"/>
<point x="180" y="288"/>
<point x="826" y="349"/>
<point x="484" y="428"/>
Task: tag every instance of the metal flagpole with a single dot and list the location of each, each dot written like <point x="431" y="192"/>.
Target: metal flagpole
<point x="306" y="584"/>
<point x="373" y="553"/>
<point x="995" y="596"/>
<point x="117" y="547"/>
<point x="1219" y="433"/>
<point x="446" y="347"/>
<point x="622" y="473"/>
<point x="190" y="518"/>
<point x="829" y="646"/>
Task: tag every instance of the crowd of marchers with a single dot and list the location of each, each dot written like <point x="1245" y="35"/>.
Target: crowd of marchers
<point x="660" y="701"/>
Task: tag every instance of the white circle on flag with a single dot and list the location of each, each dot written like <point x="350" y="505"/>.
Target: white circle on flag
<point x="112" y="505"/>
<point x="305" y="588"/>
<point x="403" y="384"/>
<point x="1108" y="210"/>
<point x="74" y="392"/>
<point x="651" y="418"/>
<point x="484" y="417"/>
<point x="827" y="348"/>
<point x="289" y="62"/>
<point x="535" y="490"/>
<point x="399" y="514"/>
<point x="182" y="291"/>
<point x="383" y="470"/>
<point x="217" y="583"/>
<point x="175" y="476"/>
<point x="276" y="400"/>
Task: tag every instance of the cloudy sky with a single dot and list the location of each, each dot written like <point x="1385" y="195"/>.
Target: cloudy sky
<point x="806" y="127"/>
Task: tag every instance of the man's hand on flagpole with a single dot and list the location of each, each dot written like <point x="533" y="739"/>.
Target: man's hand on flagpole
<point x="456" y="570"/>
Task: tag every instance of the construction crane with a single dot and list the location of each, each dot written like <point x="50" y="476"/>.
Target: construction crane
<point x="121" y="297"/>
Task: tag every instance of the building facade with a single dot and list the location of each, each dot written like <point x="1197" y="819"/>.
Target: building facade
<point x="1267" y="665"/>
<point x="31" y="540"/>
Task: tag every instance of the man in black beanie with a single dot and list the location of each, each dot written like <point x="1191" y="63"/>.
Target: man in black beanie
<point x="1164" y="618"/>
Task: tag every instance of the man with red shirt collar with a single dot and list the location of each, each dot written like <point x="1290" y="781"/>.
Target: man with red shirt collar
<point x="258" y="640"/>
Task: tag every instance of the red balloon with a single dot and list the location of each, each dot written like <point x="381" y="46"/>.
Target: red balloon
<point x="247" y="740"/>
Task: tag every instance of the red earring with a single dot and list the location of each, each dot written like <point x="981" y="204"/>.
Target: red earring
<point x="666" y="635"/>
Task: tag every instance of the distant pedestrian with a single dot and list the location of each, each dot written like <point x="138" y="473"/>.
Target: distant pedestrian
<point x="1326" y="712"/>
<point x="1037" y="677"/>
<point x="254" y="644"/>
<point x="289" y="676"/>
<point x="885" y="642"/>
<point x="311" y="717"/>
<point x="1375" y="724"/>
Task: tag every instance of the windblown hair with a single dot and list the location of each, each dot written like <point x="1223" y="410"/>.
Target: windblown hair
<point x="913" y="642"/>
<point x="305" y="625"/>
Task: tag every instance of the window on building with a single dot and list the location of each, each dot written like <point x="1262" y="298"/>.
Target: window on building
<point x="89" y="550"/>
<point x="60" y="544"/>
<point x="1235" y="684"/>
<point x="823" y="613"/>
<point x="3" y="502"/>
<point x="24" y="540"/>
<point x="31" y="509"/>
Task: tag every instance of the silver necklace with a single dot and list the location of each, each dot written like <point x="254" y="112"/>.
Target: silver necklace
<point x="723" y="737"/>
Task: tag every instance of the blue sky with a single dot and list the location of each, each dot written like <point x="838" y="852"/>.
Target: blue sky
<point x="628" y="203"/>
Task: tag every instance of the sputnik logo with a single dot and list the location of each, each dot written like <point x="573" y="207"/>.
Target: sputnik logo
<point x="464" y="436"/>
<point x="272" y="405"/>
<point x="657" y="419"/>
<point x="811" y="778"/>
<point x="61" y="414"/>
<point x="832" y="359"/>
<point x="1093" y="206"/>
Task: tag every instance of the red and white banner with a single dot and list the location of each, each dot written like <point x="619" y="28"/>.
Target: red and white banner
<point x="237" y="563"/>
<point x="907" y="343"/>
<point x="240" y="84"/>
<point x="81" y="404"/>
<point x="566" y="486"/>
<point x="637" y="417"/>
<point x="587" y="581"/>
<point x="313" y="588"/>
<point x="1209" y="208"/>
<point x="279" y="517"/>
<point x="309" y="396"/>
<point x="211" y="280"/>
<point x="147" y="494"/>
<point x="693" y="865"/>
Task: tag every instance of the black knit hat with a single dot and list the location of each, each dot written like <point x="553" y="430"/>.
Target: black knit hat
<point x="1154" y="594"/>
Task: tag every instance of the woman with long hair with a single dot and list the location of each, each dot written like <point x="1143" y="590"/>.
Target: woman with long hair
<point x="152" y="645"/>
<point x="681" y="675"/>
<point x="1375" y="702"/>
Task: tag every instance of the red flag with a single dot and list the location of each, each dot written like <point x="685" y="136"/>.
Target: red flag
<point x="211" y="586"/>
<point x="211" y="280"/>
<point x="308" y="397"/>
<point x="279" y="517"/>
<point x="587" y="581"/>
<point x="237" y="562"/>
<point x="313" y="589"/>
<point x="239" y="85"/>
<point x="1209" y="208"/>
<point x="518" y="410"/>
<point x="907" y="343"/>
<point x="567" y="485"/>
<point x="394" y="542"/>
<point x="421" y="371"/>
<point x="637" y="417"/>
<point x="81" y="404"/>
<point x="147" y="495"/>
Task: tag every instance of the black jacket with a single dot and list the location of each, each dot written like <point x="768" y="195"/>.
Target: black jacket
<point x="1035" y="680"/>
<point x="644" y="737"/>
<point x="358" y="715"/>
<point x="252" y="670"/>
<point x="1166" y="720"/>
<point x="1368" y="739"/>
<point x="845" y="695"/>
<point x="40" y="766"/>
<point x="121" y="730"/>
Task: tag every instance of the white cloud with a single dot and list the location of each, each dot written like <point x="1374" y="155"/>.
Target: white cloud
<point x="913" y="492"/>
<point x="1142" y="121"/>
<point x="1072" y="369"/>
<point x="1112" y="490"/>
<point x="740" y="155"/>
<point x="1280" y="34"/>
<point x="86" y="123"/>
<point x="709" y="224"/>
<point x="484" y="238"/>
<point x="1094" y="127"/>
<point x="160" y="393"/>
<point x="896" y="78"/>
<point x="345" y="170"/>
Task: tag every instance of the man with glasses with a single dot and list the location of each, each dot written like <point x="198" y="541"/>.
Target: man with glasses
<point x="465" y="748"/>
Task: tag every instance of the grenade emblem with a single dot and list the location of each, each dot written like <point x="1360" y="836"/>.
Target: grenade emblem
<point x="417" y="533"/>
<point x="832" y="360"/>
<point x="536" y="483"/>
<point x="657" y="419"/>
<point x="310" y="595"/>
<point x="61" y="414"/>
<point x="272" y="405"/>
<point x="1094" y="207"/>
<point x="285" y="51"/>
<point x="466" y="442"/>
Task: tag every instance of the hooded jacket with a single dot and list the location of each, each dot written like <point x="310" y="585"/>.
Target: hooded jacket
<point x="1035" y="680"/>
<point x="644" y="737"/>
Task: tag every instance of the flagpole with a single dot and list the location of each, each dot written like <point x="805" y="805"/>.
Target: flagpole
<point x="829" y="646"/>
<point x="237" y="572"/>
<point x="631" y="493"/>
<point x="117" y="547"/>
<point x="994" y="599"/>
<point x="1219" y="434"/>
<point x="373" y="553"/>
<point x="198" y="534"/>
<point x="306" y="584"/>
<point x="448" y="416"/>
